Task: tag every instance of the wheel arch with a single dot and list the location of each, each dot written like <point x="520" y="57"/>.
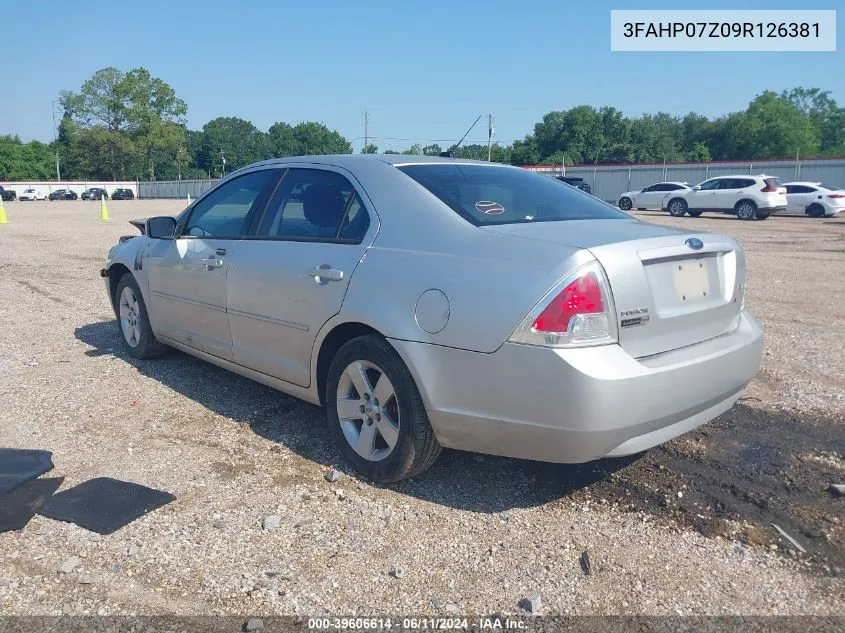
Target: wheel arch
<point x="741" y="200"/>
<point x="337" y="337"/>
<point x="116" y="272"/>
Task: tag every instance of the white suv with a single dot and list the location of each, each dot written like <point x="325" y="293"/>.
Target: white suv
<point x="748" y="197"/>
<point x="32" y="194"/>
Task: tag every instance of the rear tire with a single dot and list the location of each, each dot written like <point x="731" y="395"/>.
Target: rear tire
<point x="384" y="433"/>
<point x="133" y="320"/>
<point x="625" y="203"/>
<point x="745" y="210"/>
<point x="695" y="214"/>
<point x="762" y="215"/>
<point x="678" y="207"/>
<point x="815" y="211"/>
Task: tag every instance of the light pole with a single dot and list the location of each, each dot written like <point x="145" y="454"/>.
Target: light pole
<point x="223" y="158"/>
<point x="55" y="141"/>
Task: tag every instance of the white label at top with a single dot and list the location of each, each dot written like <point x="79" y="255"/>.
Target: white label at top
<point x="723" y="30"/>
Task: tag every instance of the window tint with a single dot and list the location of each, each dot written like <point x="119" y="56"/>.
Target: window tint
<point x="711" y="185"/>
<point x="226" y="211"/>
<point x="771" y="182"/>
<point x="673" y="187"/>
<point x="315" y="204"/>
<point x="649" y="189"/>
<point x="799" y="189"/>
<point x="742" y="183"/>
<point x="485" y="195"/>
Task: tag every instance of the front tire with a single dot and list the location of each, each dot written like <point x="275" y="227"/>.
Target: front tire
<point x="376" y="414"/>
<point x="678" y="208"/>
<point x="625" y="203"/>
<point x="745" y="210"/>
<point x="133" y="320"/>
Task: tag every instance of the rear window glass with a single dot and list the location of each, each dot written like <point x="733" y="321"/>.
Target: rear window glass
<point x="485" y="195"/>
<point x="773" y="182"/>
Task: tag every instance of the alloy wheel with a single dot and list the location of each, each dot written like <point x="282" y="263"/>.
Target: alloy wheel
<point x="368" y="410"/>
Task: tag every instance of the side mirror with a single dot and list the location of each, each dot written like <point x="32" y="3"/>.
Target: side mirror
<point x="162" y="227"/>
<point x="697" y="188"/>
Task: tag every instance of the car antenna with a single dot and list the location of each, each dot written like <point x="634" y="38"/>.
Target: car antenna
<point x="451" y="152"/>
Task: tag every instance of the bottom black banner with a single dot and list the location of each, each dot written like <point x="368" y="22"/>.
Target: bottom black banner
<point x="380" y="623"/>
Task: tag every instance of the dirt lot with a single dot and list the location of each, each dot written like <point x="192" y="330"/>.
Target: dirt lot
<point x="686" y="529"/>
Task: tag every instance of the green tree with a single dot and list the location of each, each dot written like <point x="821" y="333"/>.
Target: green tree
<point x="136" y="117"/>
<point x="315" y="138"/>
<point x="824" y="113"/>
<point x="699" y="153"/>
<point x="232" y="139"/>
<point x="25" y="161"/>
<point x="772" y="127"/>
<point x="281" y="140"/>
<point x="432" y="150"/>
<point x="415" y="150"/>
<point x="525" y="152"/>
<point x="369" y="148"/>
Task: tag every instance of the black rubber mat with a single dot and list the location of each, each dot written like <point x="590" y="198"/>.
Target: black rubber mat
<point x="19" y="506"/>
<point x="104" y="505"/>
<point x="20" y="465"/>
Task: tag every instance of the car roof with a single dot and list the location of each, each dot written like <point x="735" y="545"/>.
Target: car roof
<point x="353" y="160"/>
<point x="741" y="176"/>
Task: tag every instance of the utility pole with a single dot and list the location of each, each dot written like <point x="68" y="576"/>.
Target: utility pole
<point x="366" y="129"/>
<point x="55" y="142"/>
<point x="489" y="136"/>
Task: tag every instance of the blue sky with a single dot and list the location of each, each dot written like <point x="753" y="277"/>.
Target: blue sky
<point x="424" y="70"/>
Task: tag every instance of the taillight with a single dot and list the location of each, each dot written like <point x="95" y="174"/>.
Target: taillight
<point x="836" y="195"/>
<point x="769" y="189"/>
<point x="577" y="312"/>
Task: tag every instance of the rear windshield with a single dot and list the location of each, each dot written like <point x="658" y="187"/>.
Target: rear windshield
<point x="485" y="195"/>
<point x="773" y="182"/>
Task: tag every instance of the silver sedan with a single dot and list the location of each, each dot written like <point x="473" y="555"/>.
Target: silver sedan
<point x="437" y="302"/>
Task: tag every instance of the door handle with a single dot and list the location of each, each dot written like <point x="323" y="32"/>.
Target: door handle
<point x="212" y="262"/>
<point x="221" y="252"/>
<point x="324" y="273"/>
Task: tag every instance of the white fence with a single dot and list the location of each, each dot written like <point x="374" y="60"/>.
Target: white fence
<point x="46" y="187"/>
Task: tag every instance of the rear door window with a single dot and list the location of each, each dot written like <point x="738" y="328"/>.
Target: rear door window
<point x="486" y="195"/>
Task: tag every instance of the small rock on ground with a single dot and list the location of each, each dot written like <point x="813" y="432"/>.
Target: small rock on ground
<point x="254" y="624"/>
<point x="334" y="475"/>
<point x="532" y="603"/>
<point x="272" y="522"/>
<point x="70" y="564"/>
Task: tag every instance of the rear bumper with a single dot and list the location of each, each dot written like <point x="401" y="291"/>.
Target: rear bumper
<point x="577" y="405"/>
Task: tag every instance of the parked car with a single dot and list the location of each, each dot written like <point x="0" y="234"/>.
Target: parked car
<point x="122" y="194"/>
<point x="444" y="302"/>
<point x="63" y="194"/>
<point x="649" y="198"/>
<point x="7" y="195"/>
<point x="95" y="193"/>
<point x="578" y="183"/>
<point x="31" y="193"/>
<point x="815" y="199"/>
<point x="746" y="196"/>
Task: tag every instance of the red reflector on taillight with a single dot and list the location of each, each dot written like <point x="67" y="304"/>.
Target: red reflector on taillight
<point x="837" y="195"/>
<point x="769" y="189"/>
<point x="582" y="296"/>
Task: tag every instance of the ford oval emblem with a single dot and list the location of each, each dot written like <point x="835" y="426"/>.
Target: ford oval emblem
<point x="694" y="243"/>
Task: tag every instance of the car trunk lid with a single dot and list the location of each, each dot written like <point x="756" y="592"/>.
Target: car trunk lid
<point x="671" y="288"/>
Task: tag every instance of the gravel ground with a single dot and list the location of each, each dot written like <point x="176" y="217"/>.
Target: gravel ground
<point x="685" y="529"/>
